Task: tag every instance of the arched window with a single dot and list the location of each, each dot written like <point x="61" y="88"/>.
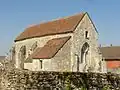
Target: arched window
<point x="84" y="52"/>
<point x="13" y="55"/>
<point x="34" y="46"/>
<point x="22" y="56"/>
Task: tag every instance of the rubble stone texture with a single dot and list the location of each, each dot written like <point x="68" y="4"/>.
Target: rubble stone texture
<point x="29" y="80"/>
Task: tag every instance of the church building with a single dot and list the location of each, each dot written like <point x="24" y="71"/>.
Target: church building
<point x="65" y="44"/>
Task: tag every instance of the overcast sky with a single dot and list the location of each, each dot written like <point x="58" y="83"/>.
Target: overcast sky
<point x="16" y="15"/>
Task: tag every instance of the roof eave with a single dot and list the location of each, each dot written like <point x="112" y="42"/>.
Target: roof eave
<point x="91" y="22"/>
<point x="16" y="40"/>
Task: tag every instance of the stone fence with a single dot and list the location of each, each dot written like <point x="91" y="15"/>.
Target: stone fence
<point x="28" y="80"/>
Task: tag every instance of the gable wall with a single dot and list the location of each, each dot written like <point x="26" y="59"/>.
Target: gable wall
<point x="79" y="40"/>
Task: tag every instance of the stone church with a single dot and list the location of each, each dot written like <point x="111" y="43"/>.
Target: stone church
<point x="66" y="44"/>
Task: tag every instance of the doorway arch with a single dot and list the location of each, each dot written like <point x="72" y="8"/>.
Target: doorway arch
<point x="84" y="52"/>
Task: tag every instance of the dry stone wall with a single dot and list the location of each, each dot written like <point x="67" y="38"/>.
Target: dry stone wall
<point x="28" y="80"/>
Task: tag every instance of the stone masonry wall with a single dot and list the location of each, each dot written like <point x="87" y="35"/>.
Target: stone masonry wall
<point x="27" y="80"/>
<point x="41" y="41"/>
<point x="78" y="41"/>
<point x="60" y="62"/>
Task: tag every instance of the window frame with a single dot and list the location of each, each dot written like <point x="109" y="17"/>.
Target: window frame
<point x="86" y="35"/>
<point x="41" y="64"/>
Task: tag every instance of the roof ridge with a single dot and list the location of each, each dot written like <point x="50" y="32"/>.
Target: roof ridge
<point x="56" y="19"/>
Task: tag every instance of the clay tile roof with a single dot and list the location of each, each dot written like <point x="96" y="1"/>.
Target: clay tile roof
<point x="50" y="49"/>
<point x="60" y="26"/>
<point x="112" y="52"/>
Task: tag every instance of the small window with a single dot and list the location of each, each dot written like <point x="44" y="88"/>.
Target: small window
<point x="41" y="64"/>
<point x="86" y="35"/>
